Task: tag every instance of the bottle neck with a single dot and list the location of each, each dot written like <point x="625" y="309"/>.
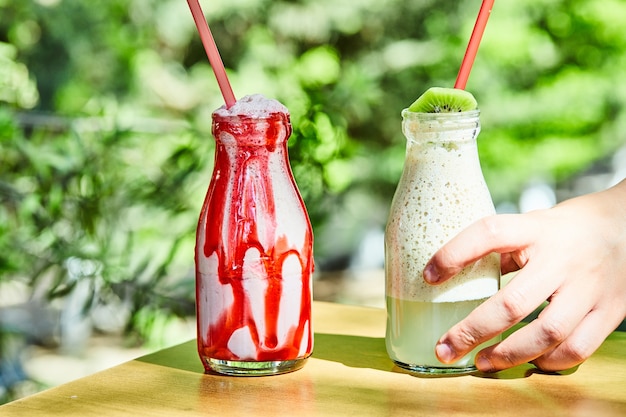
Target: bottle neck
<point x="243" y="131"/>
<point x="444" y="129"/>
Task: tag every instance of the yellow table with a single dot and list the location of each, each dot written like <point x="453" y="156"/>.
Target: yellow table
<point x="348" y="375"/>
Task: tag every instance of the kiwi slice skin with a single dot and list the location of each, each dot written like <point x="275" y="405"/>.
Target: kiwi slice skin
<point x="444" y="100"/>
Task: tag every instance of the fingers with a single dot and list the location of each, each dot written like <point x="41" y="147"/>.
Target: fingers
<point x="580" y="345"/>
<point x="542" y="335"/>
<point x="564" y="334"/>
<point x="582" y="277"/>
<point x="549" y="344"/>
<point x="507" y="307"/>
<point x="502" y="233"/>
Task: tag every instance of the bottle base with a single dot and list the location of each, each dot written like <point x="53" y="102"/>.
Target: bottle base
<point x="252" y="368"/>
<point x="437" y="370"/>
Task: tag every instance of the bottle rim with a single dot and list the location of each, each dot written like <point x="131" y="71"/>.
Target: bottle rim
<point x="440" y="127"/>
<point x="242" y="118"/>
<point x="408" y="114"/>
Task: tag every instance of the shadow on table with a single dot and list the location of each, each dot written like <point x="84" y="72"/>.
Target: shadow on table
<point x="184" y="357"/>
<point x="351" y="351"/>
<point x="370" y="352"/>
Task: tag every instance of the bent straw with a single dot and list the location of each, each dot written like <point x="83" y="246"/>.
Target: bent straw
<point x="211" y="50"/>
<point x="472" y="46"/>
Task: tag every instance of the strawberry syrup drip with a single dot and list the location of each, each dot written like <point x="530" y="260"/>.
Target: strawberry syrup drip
<point x="251" y="202"/>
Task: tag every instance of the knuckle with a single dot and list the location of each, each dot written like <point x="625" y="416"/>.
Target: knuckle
<point x="505" y="357"/>
<point x="468" y="337"/>
<point x="513" y="305"/>
<point x="566" y="355"/>
<point x="577" y="352"/>
<point x="552" y="331"/>
<point x="490" y="226"/>
<point x="445" y="260"/>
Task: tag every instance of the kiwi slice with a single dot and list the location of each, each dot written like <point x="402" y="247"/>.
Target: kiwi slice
<point x="444" y="100"/>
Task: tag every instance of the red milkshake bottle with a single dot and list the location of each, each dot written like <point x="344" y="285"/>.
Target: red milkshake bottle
<point x="254" y="248"/>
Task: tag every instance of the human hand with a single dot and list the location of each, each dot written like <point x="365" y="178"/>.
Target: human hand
<point x="572" y="255"/>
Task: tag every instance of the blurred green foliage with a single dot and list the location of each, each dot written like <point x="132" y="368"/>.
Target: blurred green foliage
<point x="105" y="146"/>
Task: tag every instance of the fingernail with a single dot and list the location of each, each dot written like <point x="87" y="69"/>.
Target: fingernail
<point x="483" y="364"/>
<point x="431" y="274"/>
<point x="444" y="353"/>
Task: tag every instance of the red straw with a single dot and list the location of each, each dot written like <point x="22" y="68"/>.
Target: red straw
<point x="472" y="46"/>
<point x="211" y="50"/>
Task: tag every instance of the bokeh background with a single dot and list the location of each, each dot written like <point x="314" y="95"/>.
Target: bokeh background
<point x="106" y="151"/>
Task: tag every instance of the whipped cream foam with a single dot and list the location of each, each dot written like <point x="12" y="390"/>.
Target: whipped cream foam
<point x="254" y="105"/>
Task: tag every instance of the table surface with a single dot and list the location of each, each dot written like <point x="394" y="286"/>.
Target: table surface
<point x="348" y="374"/>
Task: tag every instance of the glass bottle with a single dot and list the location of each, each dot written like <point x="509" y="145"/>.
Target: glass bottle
<point x="254" y="259"/>
<point x="441" y="191"/>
